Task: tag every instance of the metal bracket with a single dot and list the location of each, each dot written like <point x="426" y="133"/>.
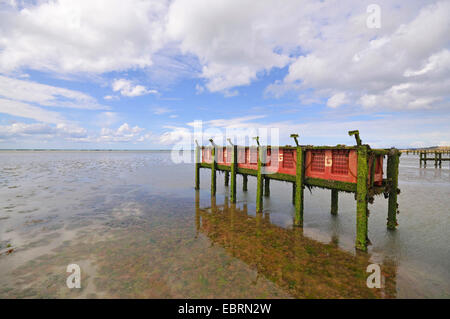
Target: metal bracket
<point x="229" y="141"/>
<point x="257" y="140"/>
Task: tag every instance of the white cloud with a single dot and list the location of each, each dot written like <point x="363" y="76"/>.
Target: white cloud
<point x="162" y="110"/>
<point x="337" y="100"/>
<point x="46" y="95"/>
<point x="107" y="119"/>
<point x="111" y="97"/>
<point x="66" y="36"/>
<point x="18" y="130"/>
<point x="403" y="65"/>
<point x="124" y="133"/>
<point x="25" y="110"/>
<point x="127" y="88"/>
<point x="234" y="40"/>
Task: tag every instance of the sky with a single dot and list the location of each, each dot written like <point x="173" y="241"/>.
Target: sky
<point x="137" y="74"/>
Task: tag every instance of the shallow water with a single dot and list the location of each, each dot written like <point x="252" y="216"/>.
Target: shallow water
<point x="134" y="224"/>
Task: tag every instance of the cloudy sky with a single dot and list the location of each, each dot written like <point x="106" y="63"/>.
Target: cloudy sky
<point x="136" y="74"/>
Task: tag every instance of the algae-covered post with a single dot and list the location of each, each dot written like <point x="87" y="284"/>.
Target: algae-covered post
<point x="197" y="166"/>
<point x="392" y="176"/>
<point x="213" y="168"/>
<point x="259" y="179"/>
<point x="362" y="199"/>
<point x="233" y="171"/>
<point x="299" y="187"/>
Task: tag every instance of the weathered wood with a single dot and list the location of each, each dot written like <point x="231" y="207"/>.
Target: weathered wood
<point x="293" y="193"/>
<point x="213" y="172"/>
<point x="244" y="182"/>
<point x="197" y="168"/>
<point x="392" y="175"/>
<point x="334" y="201"/>
<point x="266" y="186"/>
<point x="227" y="178"/>
<point x="362" y="199"/>
<point x="233" y="174"/>
<point x="259" y="183"/>
<point x="298" y="220"/>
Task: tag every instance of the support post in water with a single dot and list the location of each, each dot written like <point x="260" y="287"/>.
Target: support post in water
<point x="197" y="166"/>
<point x="362" y="199"/>
<point x="233" y="173"/>
<point x="334" y="201"/>
<point x="259" y="179"/>
<point x="293" y="193"/>
<point x="298" y="185"/>
<point x="392" y="176"/>
<point x="213" y="168"/>
<point x="227" y="178"/>
<point x="299" y="188"/>
<point x="266" y="187"/>
<point x="245" y="183"/>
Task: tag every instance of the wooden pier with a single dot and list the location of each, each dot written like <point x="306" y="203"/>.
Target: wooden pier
<point x="355" y="169"/>
<point x="437" y="158"/>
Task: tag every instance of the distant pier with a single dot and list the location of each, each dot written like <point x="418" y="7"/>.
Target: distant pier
<point x="430" y="155"/>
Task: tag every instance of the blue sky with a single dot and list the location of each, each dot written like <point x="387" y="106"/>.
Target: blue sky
<point x="136" y="74"/>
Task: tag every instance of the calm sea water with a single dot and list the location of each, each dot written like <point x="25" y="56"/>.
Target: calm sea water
<point x="137" y="228"/>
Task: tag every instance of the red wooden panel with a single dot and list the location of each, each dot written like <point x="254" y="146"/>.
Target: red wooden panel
<point x="248" y="158"/>
<point x="338" y="165"/>
<point x="340" y="161"/>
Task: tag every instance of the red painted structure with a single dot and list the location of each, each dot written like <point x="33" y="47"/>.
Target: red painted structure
<point x="338" y="164"/>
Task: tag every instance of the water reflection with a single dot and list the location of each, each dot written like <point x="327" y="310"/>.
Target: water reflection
<point x="303" y="267"/>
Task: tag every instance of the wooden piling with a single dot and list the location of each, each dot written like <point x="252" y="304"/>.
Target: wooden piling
<point x="362" y="199"/>
<point x="227" y="178"/>
<point x="197" y="213"/>
<point x="244" y="183"/>
<point x="197" y="168"/>
<point x="334" y="201"/>
<point x="233" y="174"/>
<point x="213" y="171"/>
<point x="293" y="193"/>
<point x="392" y="176"/>
<point x="259" y="183"/>
<point x="298" y="220"/>
<point x="266" y="187"/>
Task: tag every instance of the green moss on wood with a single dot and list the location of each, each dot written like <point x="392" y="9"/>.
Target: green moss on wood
<point x="330" y="184"/>
<point x="298" y="220"/>
<point x="362" y="199"/>
<point x="392" y="175"/>
<point x="233" y="174"/>
<point x="259" y="183"/>
<point x="213" y="172"/>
